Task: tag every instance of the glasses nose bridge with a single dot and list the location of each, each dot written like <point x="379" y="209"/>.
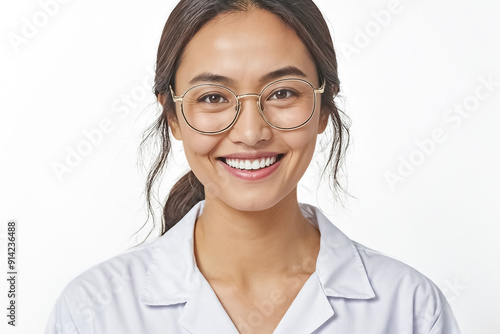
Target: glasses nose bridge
<point x="247" y="95"/>
<point x="241" y="96"/>
<point x="238" y="97"/>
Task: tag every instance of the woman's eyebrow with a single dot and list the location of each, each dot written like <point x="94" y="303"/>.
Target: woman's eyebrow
<point x="282" y="72"/>
<point x="214" y="78"/>
<point x="223" y="80"/>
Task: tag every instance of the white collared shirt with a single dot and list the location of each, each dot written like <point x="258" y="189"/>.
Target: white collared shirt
<point x="157" y="288"/>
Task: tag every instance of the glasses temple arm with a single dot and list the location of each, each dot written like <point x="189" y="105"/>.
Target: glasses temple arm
<point x="175" y="98"/>
<point x="321" y="89"/>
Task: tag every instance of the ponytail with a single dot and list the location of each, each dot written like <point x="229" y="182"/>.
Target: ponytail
<point x="184" y="195"/>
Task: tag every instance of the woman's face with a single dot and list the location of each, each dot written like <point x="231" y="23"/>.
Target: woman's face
<point x="241" y="51"/>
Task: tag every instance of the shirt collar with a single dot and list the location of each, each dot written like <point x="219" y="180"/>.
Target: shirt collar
<point x="173" y="275"/>
<point x="339" y="264"/>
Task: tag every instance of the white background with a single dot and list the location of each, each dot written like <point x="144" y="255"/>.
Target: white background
<point x="401" y="78"/>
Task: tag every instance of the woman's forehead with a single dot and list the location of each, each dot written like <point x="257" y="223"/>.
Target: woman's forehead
<point x="244" y="45"/>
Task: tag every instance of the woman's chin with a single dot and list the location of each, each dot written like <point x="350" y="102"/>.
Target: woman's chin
<point x="250" y="201"/>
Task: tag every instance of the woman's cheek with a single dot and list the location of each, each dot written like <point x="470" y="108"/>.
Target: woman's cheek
<point x="198" y="146"/>
<point x="301" y="139"/>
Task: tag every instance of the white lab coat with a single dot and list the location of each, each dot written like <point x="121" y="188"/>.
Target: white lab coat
<point x="157" y="288"/>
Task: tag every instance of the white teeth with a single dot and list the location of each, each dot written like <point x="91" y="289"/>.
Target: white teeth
<point x="251" y="164"/>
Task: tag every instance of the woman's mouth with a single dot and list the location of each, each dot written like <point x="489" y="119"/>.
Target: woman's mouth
<point x="251" y="169"/>
<point x="252" y="164"/>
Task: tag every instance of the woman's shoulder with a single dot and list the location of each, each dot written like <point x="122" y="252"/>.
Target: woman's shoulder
<point x="115" y="281"/>
<point x="385" y="268"/>
<point x="399" y="283"/>
<point x="343" y="257"/>
<point x="129" y="273"/>
<point x="121" y="271"/>
<point x="133" y="264"/>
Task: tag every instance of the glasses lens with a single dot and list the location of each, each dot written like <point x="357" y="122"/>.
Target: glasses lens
<point x="288" y="103"/>
<point x="209" y="108"/>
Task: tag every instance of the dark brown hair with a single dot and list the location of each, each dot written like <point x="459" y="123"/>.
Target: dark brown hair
<point x="183" y="23"/>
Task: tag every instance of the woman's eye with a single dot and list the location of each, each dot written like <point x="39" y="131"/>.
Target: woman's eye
<point x="213" y="98"/>
<point x="281" y="94"/>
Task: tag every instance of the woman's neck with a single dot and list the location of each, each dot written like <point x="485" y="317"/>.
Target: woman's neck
<point x="247" y="248"/>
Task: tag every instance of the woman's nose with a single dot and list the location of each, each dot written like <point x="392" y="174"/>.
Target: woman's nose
<point x="250" y="128"/>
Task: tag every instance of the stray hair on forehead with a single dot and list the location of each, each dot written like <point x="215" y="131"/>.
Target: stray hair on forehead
<point x="186" y="19"/>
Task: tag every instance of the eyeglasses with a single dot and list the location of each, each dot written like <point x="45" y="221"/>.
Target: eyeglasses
<point x="285" y="104"/>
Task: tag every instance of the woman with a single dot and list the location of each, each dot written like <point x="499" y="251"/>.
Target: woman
<point x="247" y="86"/>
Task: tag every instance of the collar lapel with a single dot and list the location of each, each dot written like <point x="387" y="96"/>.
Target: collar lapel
<point x="339" y="273"/>
<point x="172" y="270"/>
<point x="203" y="313"/>
<point x="308" y="311"/>
<point x="339" y="266"/>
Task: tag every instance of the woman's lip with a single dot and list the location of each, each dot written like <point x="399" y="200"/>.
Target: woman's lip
<point x="250" y="156"/>
<point x="251" y="175"/>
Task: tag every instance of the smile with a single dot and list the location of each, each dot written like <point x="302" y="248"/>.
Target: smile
<point x="252" y="164"/>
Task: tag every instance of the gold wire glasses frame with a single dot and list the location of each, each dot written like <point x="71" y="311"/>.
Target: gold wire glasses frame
<point x="238" y="104"/>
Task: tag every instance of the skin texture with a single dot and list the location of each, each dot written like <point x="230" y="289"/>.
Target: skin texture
<point x="252" y="243"/>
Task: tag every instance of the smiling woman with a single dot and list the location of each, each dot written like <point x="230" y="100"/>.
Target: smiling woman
<point x="247" y="86"/>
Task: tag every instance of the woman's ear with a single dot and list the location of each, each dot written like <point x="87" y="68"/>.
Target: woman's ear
<point x="174" y="127"/>
<point x="173" y="123"/>
<point x="323" y="120"/>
